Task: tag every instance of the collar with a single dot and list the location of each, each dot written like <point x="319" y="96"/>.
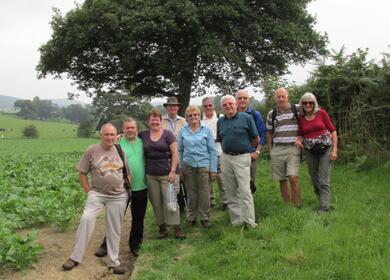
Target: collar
<point x="214" y="116"/>
<point x="166" y="117"/>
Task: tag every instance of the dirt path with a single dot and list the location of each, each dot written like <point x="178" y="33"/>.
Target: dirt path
<point x="58" y="247"/>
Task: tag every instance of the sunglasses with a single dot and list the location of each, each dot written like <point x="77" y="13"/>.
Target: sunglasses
<point x="192" y="115"/>
<point x="308" y="103"/>
<point x="208" y="106"/>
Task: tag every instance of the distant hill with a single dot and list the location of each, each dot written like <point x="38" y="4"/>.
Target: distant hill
<point x="7" y="102"/>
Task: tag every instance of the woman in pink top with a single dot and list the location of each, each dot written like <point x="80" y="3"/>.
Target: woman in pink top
<point x="318" y="137"/>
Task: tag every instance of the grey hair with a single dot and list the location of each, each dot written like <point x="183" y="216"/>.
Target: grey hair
<point x="105" y="125"/>
<point x="242" y="91"/>
<point x="227" y="96"/>
<point x="210" y="98"/>
<point x="308" y="97"/>
<point x="129" y="119"/>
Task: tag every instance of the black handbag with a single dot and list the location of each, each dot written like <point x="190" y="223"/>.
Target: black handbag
<point x="319" y="149"/>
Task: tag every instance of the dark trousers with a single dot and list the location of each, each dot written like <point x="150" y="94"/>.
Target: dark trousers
<point x="139" y="201"/>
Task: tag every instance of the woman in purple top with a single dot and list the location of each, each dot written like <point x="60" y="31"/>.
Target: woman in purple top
<point x="161" y="160"/>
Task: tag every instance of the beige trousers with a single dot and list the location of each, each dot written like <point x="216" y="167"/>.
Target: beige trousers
<point x="115" y="206"/>
<point x="157" y="190"/>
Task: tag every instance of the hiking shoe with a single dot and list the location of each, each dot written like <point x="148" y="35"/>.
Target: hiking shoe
<point x="191" y="223"/>
<point x="205" y="224"/>
<point x="117" y="269"/>
<point x="69" y="264"/>
<point x="101" y="252"/>
<point x="163" y="232"/>
<point x="178" y="233"/>
<point x="224" y="206"/>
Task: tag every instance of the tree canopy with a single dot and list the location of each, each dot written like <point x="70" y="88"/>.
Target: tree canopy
<point x="178" y="47"/>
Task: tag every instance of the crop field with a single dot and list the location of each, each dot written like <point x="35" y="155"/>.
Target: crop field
<point x="11" y="127"/>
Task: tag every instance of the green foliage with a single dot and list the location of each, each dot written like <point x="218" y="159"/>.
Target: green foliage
<point x="178" y="47"/>
<point x="76" y="112"/>
<point x="36" y="108"/>
<point x="36" y="189"/>
<point x="350" y="242"/>
<point x="30" y="131"/>
<point x="86" y="129"/>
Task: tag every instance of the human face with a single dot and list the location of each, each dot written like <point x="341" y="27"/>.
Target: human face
<point x="108" y="136"/>
<point x="208" y="108"/>
<point x="172" y="110"/>
<point x="155" y="123"/>
<point x="308" y="106"/>
<point x="130" y="130"/>
<point x="229" y="107"/>
<point x="242" y="101"/>
<point x="192" y="118"/>
<point x="281" y="98"/>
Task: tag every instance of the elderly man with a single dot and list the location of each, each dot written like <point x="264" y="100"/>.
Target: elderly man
<point x="243" y="99"/>
<point x="282" y="126"/>
<point x="238" y="135"/>
<point x="133" y="147"/>
<point x="210" y="118"/>
<point x="106" y="190"/>
<point x="173" y="122"/>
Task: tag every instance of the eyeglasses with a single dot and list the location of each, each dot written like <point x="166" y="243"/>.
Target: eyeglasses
<point x="307" y="103"/>
<point x="192" y="115"/>
<point x="208" y="106"/>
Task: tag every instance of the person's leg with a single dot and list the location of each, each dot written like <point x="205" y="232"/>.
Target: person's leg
<point x="285" y="191"/>
<point x="202" y="182"/>
<point x="253" y="169"/>
<point x="92" y="208"/>
<point x="221" y="186"/>
<point x="115" y="211"/>
<point x="189" y="180"/>
<point x="231" y="185"/>
<point x="324" y="180"/>
<point x="313" y="166"/>
<point x="156" y="199"/>
<point x="295" y="191"/>
<point x="212" y="194"/>
<point x="139" y="200"/>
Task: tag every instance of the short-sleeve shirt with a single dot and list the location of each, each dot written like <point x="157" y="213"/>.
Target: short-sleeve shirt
<point x="236" y="133"/>
<point x="157" y="153"/>
<point x="106" y="168"/>
<point x="135" y="156"/>
<point x="285" y="126"/>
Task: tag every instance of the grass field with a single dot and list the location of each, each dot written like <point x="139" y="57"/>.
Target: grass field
<point x="350" y="242"/>
<point x="14" y="127"/>
<point x="40" y="186"/>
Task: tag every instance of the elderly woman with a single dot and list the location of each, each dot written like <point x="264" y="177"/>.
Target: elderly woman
<point x="198" y="158"/>
<point x="161" y="160"/>
<point x="319" y="138"/>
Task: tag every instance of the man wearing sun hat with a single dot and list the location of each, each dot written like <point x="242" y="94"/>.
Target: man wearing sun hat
<point x="173" y="122"/>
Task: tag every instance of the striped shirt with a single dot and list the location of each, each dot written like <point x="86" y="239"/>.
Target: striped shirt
<point x="286" y="126"/>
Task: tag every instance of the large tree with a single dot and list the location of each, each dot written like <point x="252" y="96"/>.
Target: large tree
<point x="178" y="47"/>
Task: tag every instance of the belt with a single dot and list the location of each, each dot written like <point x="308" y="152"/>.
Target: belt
<point x="284" y="144"/>
<point x="235" y="153"/>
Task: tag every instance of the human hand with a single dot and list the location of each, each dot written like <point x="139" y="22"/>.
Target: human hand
<point x="333" y="155"/>
<point x="255" y="155"/>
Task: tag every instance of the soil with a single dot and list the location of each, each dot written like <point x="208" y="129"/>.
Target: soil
<point x="59" y="245"/>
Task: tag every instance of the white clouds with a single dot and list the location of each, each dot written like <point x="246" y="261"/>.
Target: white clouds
<point x="24" y="27"/>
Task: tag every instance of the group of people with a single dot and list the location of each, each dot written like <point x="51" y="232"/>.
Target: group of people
<point x="195" y="151"/>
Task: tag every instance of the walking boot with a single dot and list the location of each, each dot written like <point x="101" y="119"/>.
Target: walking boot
<point x="178" y="233"/>
<point x="163" y="232"/>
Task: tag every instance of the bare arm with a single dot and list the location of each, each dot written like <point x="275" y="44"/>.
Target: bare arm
<point x="333" y="154"/>
<point x="269" y="140"/>
<point x="84" y="182"/>
<point x="175" y="161"/>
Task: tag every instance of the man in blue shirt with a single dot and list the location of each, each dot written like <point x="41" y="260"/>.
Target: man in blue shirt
<point x="243" y="99"/>
<point x="238" y="135"/>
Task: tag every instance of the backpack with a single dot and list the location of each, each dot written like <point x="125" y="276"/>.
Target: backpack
<point x="274" y="112"/>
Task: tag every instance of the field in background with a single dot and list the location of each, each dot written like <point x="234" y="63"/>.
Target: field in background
<point x="13" y="128"/>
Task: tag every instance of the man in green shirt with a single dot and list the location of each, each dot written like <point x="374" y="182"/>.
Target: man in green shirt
<point x="133" y="148"/>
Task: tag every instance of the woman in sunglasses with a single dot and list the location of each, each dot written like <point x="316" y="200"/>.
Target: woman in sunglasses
<point x="198" y="159"/>
<point x="318" y="137"/>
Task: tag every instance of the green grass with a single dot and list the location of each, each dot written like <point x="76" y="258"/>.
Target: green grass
<point x="350" y="242"/>
<point x="47" y="129"/>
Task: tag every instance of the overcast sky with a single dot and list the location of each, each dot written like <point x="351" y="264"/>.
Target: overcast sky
<point x="24" y="27"/>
